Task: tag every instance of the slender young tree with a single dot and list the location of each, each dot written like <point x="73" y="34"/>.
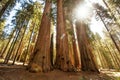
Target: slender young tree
<point x="21" y="20"/>
<point x="111" y="36"/>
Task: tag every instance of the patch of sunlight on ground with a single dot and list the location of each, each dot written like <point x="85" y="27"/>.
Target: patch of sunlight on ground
<point x="112" y="73"/>
<point x="10" y="62"/>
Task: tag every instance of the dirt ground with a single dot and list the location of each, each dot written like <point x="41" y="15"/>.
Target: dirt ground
<point x="20" y="73"/>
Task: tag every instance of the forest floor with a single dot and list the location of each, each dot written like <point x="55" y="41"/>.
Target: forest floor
<point x="20" y="73"/>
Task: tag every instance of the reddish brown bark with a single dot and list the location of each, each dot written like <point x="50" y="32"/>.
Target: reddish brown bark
<point x="87" y="59"/>
<point x="76" y="53"/>
<point x="62" y="56"/>
<point x="41" y="54"/>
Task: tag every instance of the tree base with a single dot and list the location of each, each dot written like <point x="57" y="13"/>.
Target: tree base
<point x="34" y="68"/>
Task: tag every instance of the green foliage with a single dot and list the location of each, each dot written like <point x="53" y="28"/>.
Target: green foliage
<point x="114" y="2"/>
<point x="102" y="11"/>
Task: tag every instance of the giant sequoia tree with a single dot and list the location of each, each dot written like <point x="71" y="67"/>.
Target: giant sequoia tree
<point x="87" y="58"/>
<point x="62" y="59"/>
<point x="41" y="55"/>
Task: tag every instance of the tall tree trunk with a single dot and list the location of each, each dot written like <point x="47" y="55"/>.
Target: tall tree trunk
<point x="105" y="56"/>
<point x="62" y="56"/>
<point x="75" y="50"/>
<point x="12" y="46"/>
<point x="112" y="56"/>
<point x="51" y="49"/>
<point x="41" y="55"/>
<point x="87" y="59"/>
<point x="6" y="46"/>
<point x="109" y="33"/>
<point x="21" y="39"/>
<point x="27" y="49"/>
<point x="115" y="60"/>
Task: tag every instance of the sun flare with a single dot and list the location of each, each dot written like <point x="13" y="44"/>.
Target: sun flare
<point x="85" y="11"/>
<point x="82" y="12"/>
